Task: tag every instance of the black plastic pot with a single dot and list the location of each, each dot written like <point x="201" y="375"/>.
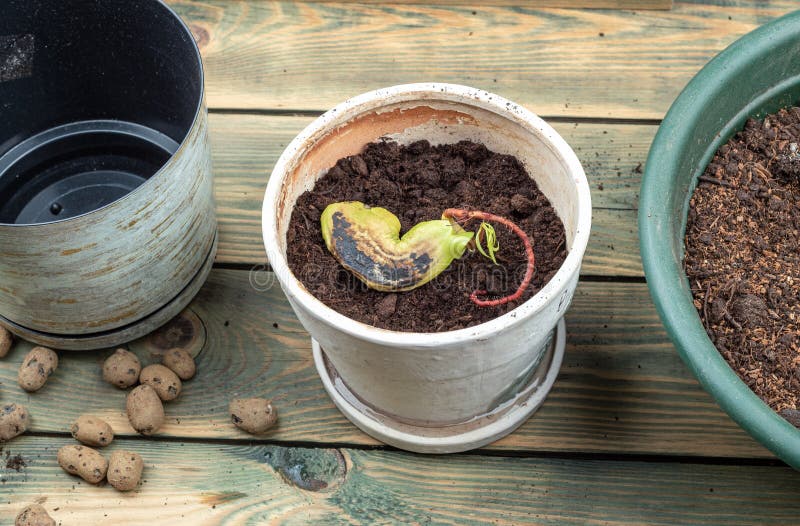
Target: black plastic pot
<point x="95" y="97"/>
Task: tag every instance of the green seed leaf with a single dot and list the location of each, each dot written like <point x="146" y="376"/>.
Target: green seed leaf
<point x="366" y="241"/>
<point x="492" y="245"/>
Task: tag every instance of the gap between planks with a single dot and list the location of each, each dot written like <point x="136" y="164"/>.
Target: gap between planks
<point x="486" y="451"/>
<point x="549" y="118"/>
<point x="587" y="278"/>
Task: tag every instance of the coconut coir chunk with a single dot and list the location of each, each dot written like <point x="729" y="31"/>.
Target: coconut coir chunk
<point x="743" y="256"/>
<point x="417" y="183"/>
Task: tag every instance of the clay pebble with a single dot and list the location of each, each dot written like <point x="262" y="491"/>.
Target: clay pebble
<point x="145" y="410"/>
<point x="254" y="415"/>
<point x="125" y="470"/>
<point x="92" y="431"/>
<point x="83" y="461"/>
<point x="6" y="340"/>
<point x="165" y="382"/>
<point x="34" y="515"/>
<point x="36" y="368"/>
<point x="180" y="362"/>
<point x="14" y="421"/>
<point x="122" y="369"/>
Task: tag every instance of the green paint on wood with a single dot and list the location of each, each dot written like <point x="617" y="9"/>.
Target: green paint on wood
<point x="622" y="388"/>
<point x="230" y="484"/>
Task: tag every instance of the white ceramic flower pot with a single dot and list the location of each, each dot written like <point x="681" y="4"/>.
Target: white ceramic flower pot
<point x="435" y="392"/>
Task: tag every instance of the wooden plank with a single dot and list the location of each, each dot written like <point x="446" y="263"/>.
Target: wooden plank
<point x="210" y="484"/>
<point x="614" y="245"/>
<point x="590" y="63"/>
<point x="570" y="4"/>
<point x="622" y="389"/>
<point x="245" y="148"/>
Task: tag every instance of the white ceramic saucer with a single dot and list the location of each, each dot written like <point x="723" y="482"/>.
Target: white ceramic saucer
<point x="472" y="434"/>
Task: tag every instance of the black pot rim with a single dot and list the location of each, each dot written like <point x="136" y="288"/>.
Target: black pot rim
<point x="199" y="108"/>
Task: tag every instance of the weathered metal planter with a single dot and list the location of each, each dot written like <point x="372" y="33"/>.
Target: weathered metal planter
<point x="450" y="391"/>
<point x="107" y="225"/>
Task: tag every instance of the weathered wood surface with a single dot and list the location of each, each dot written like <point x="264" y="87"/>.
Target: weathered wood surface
<point x="622" y="388"/>
<point x="245" y="148"/>
<point x="571" y="4"/>
<point x="588" y="63"/>
<point x="210" y="484"/>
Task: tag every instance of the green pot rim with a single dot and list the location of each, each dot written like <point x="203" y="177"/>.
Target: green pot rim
<point x="662" y="252"/>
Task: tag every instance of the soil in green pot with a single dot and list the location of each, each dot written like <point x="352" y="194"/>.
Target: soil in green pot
<point x="743" y="256"/>
<point x="417" y="183"/>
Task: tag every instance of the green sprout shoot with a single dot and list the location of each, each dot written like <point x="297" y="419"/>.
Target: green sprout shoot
<point x="486" y="231"/>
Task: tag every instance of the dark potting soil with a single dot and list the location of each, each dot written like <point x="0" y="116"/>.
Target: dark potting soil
<point x="16" y="462"/>
<point x="417" y="183"/>
<point x="743" y="256"/>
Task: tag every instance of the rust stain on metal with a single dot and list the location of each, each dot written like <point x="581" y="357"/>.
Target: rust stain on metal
<point x="46" y="323"/>
<point x="166" y="221"/>
<point x="114" y="319"/>
<point x="71" y="251"/>
<point x="136" y="330"/>
<point x="100" y="272"/>
<point x="142" y="209"/>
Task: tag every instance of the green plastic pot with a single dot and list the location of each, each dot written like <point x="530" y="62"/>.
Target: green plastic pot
<point x="755" y="76"/>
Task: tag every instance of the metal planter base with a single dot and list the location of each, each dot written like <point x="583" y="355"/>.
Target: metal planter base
<point x="112" y="338"/>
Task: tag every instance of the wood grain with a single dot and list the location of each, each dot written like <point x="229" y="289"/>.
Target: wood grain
<point x="570" y="4"/>
<point x="589" y="63"/>
<point x="263" y="484"/>
<point x="622" y="388"/>
<point x="245" y="148"/>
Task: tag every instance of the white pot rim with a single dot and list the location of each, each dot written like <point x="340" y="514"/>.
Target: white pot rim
<point x="426" y="91"/>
